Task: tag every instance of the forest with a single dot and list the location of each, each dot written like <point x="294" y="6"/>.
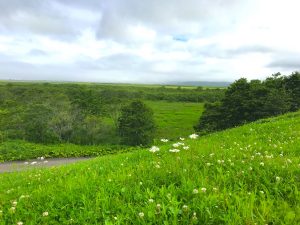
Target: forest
<point x="85" y="114"/>
<point x="247" y="101"/>
<point x="92" y="114"/>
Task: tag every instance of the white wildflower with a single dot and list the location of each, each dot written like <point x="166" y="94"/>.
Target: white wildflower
<point x="262" y="164"/>
<point x="12" y="209"/>
<point x="277" y="179"/>
<point x="193" y="136"/>
<point x="20" y="223"/>
<point x="185" y="207"/>
<point x="151" y="200"/>
<point x="154" y="149"/>
<point x="220" y="161"/>
<point x="174" y="150"/>
<point x="203" y="189"/>
<point x="194" y="216"/>
<point x="164" y="140"/>
<point x="195" y="191"/>
<point x="141" y="214"/>
<point x="175" y="145"/>
<point x="181" y="139"/>
<point x="186" y="147"/>
<point x="45" y="214"/>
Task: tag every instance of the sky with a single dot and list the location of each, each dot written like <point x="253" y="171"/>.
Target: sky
<point x="134" y="41"/>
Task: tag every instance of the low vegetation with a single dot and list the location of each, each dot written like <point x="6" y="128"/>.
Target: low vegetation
<point x="21" y="150"/>
<point x="172" y="119"/>
<point x="84" y="114"/>
<point x="246" y="175"/>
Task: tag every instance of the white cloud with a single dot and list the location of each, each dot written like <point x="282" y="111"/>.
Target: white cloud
<point x="153" y="41"/>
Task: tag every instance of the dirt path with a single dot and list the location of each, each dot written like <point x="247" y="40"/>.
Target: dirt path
<point x="38" y="163"/>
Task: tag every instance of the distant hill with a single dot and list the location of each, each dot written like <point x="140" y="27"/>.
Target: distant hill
<point x="201" y="83"/>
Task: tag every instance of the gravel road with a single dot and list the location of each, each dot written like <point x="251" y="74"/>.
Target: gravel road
<point x="38" y="163"/>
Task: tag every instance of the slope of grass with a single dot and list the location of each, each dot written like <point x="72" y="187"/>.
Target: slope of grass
<point x="175" y="119"/>
<point x="247" y="175"/>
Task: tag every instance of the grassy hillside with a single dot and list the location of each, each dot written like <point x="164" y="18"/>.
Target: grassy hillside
<point x="247" y="175"/>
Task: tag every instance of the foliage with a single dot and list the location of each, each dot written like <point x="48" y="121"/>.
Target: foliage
<point x="86" y="114"/>
<point x="246" y="175"/>
<point x="136" y="124"/>
<point x="13" y="150"/>
<point x="249" y="101"/>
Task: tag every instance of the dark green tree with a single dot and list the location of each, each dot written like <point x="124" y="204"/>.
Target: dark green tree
<point x="292" y="85"/>
<point x="249" y="101"/>
<point x="136" y="124"/>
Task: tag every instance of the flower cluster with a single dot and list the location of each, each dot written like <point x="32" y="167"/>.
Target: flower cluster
<point x="154" y="149"/>
<point x="193" y="136"/>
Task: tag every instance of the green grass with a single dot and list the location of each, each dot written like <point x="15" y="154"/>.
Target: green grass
<point x="246" y="175"/>
<point x="257" y="183"/>
<point x="21" y="150"/>
<point x="175" y="119"/>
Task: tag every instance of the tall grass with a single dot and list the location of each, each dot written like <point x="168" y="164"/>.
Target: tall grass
<point x="247" y="175"/>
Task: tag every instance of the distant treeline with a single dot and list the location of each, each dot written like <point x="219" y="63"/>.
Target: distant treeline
<point x="247" y="101"/>
<point x="78" y="113"/>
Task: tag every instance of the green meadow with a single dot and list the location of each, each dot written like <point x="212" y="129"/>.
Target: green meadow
<point x="175" y="119"/>
<point x="245" y="175"/>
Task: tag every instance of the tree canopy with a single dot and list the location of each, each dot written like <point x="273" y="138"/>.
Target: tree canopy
<point x="245" y="101"/>
<point x="136" y="124"/>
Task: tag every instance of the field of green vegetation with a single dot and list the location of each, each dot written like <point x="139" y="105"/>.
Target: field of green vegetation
<point x="13" y="150"/>
<point x="175" y="119"/>
<point x="246" y="175"/>
<point x="88" y="114"/>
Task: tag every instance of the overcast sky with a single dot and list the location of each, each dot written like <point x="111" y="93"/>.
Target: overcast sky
<point x="148" y="41"/>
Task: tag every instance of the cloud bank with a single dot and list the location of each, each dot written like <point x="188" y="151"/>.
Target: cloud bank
<point x="147" y="41"/>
